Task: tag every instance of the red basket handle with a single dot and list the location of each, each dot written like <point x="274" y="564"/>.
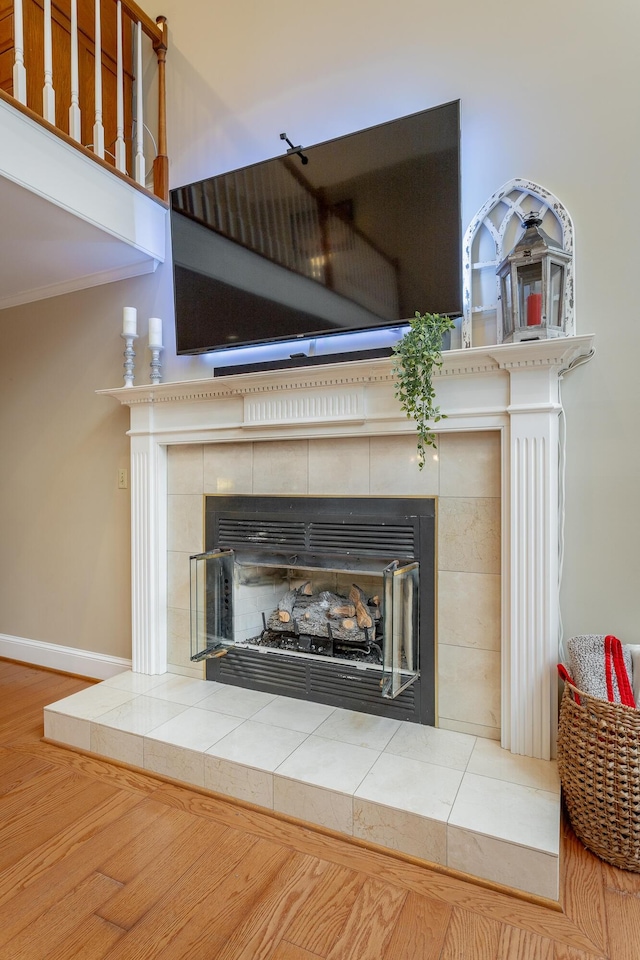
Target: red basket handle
<point x="614" y="660"/>
<point x="566" y="676"/>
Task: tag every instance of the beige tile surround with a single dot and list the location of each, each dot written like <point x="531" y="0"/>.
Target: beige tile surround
<point x="464" y="473"/>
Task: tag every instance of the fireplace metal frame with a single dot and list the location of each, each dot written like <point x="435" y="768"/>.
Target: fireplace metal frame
<point x="330" y="532"/>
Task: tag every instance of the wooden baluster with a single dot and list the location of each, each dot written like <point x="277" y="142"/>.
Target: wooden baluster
<point x="161" y="162"/>
<point x="121" y="148"/>
<point x="19" y="72"/>
<point x="48" y="93"/>
<point x="74" y="107"/>
<point x="98" y="128"/>
<point x="140" y="174"/>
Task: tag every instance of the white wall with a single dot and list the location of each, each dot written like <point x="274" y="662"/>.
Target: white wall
<point x="548" y="93"/>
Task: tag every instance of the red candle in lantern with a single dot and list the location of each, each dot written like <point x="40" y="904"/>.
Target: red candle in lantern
<point x="534" y="309"/>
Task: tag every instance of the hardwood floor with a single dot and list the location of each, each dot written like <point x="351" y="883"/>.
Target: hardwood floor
<point x="98" y="861"/>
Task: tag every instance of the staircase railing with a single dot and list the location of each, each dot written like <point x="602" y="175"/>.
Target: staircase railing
<point x="101" y="101"/>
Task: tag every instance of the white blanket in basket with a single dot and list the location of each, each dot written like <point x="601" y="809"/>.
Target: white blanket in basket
<point x="587" y="666"/>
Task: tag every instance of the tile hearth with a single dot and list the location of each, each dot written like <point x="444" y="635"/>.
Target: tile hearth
<point x="442" y="796"/>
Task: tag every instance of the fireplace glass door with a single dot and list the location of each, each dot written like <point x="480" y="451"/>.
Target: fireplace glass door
<point x="211" y="603"/>
<point x="401" y="592"/>
<point x="366" y="619"/>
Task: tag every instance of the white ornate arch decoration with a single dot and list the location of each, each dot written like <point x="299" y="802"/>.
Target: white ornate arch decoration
<point x="491" y="234"/>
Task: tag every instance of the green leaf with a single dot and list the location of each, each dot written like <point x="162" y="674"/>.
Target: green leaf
<point x="416" y="355"/>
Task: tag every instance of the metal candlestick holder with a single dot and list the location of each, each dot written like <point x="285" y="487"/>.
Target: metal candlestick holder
<point x="129" y="357"/>
<point x="155" y="364"/>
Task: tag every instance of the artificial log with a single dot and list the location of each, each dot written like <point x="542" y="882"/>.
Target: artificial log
<point x="311" y="612"/>
<point x="319" y="615"/>
<point x="285" y="606"/>
<point x="342" y="610"/>
<point x="351" y="634"/>
<point x="358" y="598"/>
<point x="287" y="602"/>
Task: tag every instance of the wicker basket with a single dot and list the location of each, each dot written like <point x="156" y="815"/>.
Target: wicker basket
<point x="599" y="766"/>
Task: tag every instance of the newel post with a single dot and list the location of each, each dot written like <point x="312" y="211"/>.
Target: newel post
<point x="161" y="162"/>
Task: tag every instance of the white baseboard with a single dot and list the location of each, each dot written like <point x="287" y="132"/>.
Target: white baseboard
<point x="84" y="663"/>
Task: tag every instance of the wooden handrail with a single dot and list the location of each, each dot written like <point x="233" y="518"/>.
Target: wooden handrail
<point x="152" y="29"/>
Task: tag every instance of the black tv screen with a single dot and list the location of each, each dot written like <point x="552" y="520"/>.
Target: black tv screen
<point x="354" y="234"/>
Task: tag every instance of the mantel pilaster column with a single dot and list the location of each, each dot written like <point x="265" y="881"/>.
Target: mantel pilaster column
<point x="529" y="703"/>
<point x="148" y="548"/>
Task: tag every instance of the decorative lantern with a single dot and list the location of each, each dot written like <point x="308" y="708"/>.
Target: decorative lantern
<point x="532" y="286"/>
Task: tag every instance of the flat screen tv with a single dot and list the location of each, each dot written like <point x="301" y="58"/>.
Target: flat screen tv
<point x="355" y="234"/>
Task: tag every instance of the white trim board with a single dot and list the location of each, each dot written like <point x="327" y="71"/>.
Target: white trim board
<point x="72" y="284"/>
<point x="37" y="160"/>
<point x="83" y="663"/>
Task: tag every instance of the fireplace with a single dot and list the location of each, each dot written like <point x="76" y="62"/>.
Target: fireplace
<point x="506" y="392"/>
<point x="328" y="599"/>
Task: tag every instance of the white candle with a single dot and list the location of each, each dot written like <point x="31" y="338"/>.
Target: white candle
<point x="129" y="322"/>
<point x="155" y="332"/>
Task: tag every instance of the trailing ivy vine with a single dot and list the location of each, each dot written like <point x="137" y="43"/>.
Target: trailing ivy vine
<point x="417" y="354"/>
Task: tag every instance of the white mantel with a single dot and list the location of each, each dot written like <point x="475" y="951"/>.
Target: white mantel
<point x="510" y="388"/>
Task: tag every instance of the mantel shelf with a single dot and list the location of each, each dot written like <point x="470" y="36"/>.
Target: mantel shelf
<point x="558" y="354"/>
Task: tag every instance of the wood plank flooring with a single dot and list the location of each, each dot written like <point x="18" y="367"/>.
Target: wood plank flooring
<point x="103" y="863"/>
